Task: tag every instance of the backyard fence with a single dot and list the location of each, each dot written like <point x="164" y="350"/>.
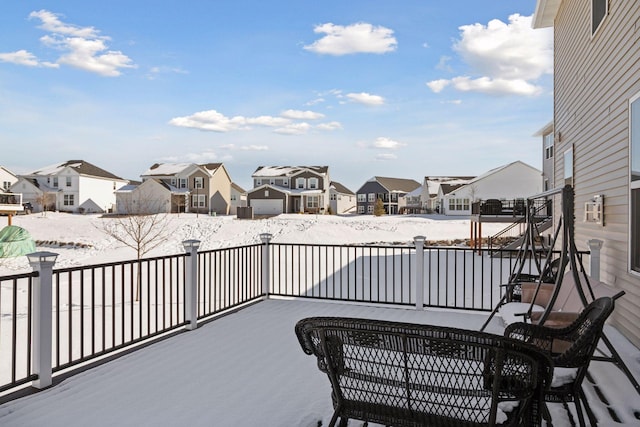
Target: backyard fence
<point x="55" y="320"/>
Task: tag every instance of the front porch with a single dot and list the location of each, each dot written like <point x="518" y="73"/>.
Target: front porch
<point x="247" y="368"/>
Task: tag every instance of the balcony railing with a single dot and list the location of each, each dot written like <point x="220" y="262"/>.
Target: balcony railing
<point x="99" y="310"/>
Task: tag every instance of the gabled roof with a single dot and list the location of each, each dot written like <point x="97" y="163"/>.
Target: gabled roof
<point x="287" y="171"/>
<point x="341" y="188"/>
<point x="237" y="188"/>
<point x="448" y="188"/>
<point x="433" y="183"/>
<point x="8" y="171"/>
<point x="500" y="168"/>
<point x="397" y="184"/>
<point x="80" y="166"/>
<point x="167" y="169"/>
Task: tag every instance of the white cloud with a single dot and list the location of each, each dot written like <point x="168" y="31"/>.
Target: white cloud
<point x="301" y="115"/>
<point x="82" y="47"/>
<point x="355" y="38"/>
<point x="386" y="156"/>
<point x="28" y="59"/>
<point x="495" y="86"/>
<point x="329" y="126"/>
<point x="508" y="57"/>
<point x="211" y="120"/>
<point x="245" y="147"/>
<point x="294" y="129"/>
<point x="438" y="85"/>
<point x="365" y="98"/>
<point x="254" y="148"/>
<point x="387" y="143"/>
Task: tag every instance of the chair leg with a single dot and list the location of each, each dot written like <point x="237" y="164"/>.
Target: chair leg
<point x="332" y="423"/>
<point x="592" y="418"/>
<point x="576" y="400"/>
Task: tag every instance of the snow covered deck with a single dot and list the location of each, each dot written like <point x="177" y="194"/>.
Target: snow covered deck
<point x="247" y="369"/>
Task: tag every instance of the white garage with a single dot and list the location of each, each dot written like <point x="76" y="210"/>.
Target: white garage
<point x="267" y="206"/>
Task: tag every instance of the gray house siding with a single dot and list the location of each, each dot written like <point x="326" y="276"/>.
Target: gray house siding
<point x="366" y="189"/>
<point x="595" y="78"/>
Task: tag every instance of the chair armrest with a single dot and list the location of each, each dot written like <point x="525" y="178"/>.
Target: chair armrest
<point x="553" y="341"/>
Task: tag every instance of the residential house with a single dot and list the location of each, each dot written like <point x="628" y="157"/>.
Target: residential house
<point x="288" y="189"/>
<point x="597" y="134"/>
<point x="389" y="190"/>
<point x="341" y="199"/>
<point x="238" y="198"/>
<point x="208" y="186"/>
<point x="548" y="177"/>
<point x="7" y="178"/>
<point x="151" y="196"/>
<point x="516" y="180"/>
<point x="71" y="186"/>
<point x="430" y="194"/>
<point x="411" y="203"/>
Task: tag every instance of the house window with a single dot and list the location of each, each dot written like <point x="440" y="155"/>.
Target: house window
<point x="68" y="181"/>
<point x="272" y="182"/>
<point x="313" y="201"/>
<point x="198" y="182"/>
<point x="68" y="200"/>
<point x="360" y="209"/>
<point x="313" y="183"/>
<point x="362" y="198"/>
<point x="372" y="197"/>
<point x="332" y="196"/>
<point x="258" y="182"/>
<point x="174" y="181"/>
<point x="182" y="183"/>
<point x="233" y="198"/>
<point x="599" y="10"/>
<point x="6" y="185"/>
<point x="300" y="183"/>
<point x="199" y="200"/>
<point x="568" y="167"/>
<point x="548" y="146"/>
<point x="55" y="182"/>
<point x="370" y="209"/>
<point x="634" y="181"/>
<point x="458" y="204"/>
<point x="285" y="182"/>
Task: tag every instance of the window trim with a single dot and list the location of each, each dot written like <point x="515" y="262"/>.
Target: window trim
<point x="634" y="185"/>
<point x="198" y="182"/>
<point x="595" y="30"/>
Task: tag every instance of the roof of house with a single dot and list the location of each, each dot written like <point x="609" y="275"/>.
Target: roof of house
<point x="237" y="188"/>
<point x="397" y="184"/>
<point x="166" y="169"/>
<point x="448" y="188"/>
<point x="434" y="182"/>
<point x="287" y="170"/>
<point x="340" y="188"/>
<point x="80" y="166"/>
<point x="500" y="168"/>
<point x="545" y="13"/>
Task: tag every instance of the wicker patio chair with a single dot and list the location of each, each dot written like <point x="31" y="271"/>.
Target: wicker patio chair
<point x="569" y="347"/>
<point x="401" y="374"/>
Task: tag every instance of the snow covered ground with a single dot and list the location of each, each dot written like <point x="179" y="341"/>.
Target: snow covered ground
<point x="246" y="368"/>
<point x="81" y="240"/>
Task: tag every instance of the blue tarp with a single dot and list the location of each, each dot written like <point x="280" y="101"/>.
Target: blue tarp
<point x="15" y="241"/>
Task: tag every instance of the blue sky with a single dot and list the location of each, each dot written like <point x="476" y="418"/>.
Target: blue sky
<point x="402" y="89"/>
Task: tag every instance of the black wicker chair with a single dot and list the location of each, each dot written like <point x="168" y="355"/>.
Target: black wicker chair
<point x="569" y="347"/>
<point x="412" y="375"/>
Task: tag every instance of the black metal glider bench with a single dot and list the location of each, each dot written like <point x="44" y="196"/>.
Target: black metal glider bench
<point x="400" y="374"/>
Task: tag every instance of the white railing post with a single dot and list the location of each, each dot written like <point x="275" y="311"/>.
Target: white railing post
<point x="595" y="246"/>
<point x="42" y="262"/>
<point x="265" y="238"/>
<point x="419" y="241"/>
<point x="191" y="284"/>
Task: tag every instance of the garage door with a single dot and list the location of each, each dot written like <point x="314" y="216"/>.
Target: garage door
<point x="266" y="207"/>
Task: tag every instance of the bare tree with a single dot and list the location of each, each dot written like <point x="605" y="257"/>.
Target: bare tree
<point x="141" y="226"/>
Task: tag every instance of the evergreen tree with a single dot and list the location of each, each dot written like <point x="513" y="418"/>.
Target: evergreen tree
<point x="378" y="209"/>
